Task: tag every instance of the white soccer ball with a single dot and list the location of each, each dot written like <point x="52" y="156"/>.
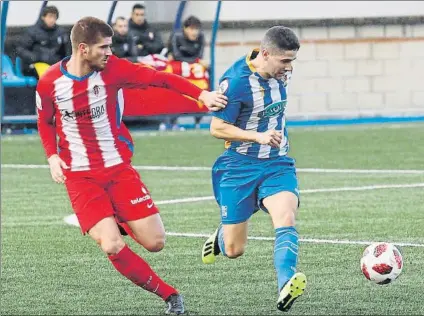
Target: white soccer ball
<point x="381" y="263"/>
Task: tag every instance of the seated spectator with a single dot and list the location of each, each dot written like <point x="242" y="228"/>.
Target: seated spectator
<point x="44" y="42"/>
<point x="146" y="40"/>
<point x="122" y="44"/>
<point x="188" y="45"/>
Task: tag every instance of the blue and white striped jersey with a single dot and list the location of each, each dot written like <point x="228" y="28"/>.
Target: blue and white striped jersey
<point x="254" y="104"/>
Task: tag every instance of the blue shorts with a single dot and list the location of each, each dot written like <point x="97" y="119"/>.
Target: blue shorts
<point x="240" y="183"/>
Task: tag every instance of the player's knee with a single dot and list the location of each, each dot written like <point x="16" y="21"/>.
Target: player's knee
<point x="156" y="244"/>
<point x="112" y="245"/>
<point x="234" y="251"/>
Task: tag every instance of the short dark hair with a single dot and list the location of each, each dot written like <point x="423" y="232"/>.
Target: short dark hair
<point x="50" y="10"/>
<point x="280" y="38"/>
<point x="193" y="22"/>
<point x="120" y="18"/>
<point x="138" y="6"/>
<point x="88" y="30"/>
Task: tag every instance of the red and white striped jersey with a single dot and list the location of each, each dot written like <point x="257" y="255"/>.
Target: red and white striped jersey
<point x="86" y="112"/>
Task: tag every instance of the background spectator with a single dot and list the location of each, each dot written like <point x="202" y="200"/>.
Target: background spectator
<point x="122" y="44"/>
<point x="146" y="39"/>
<point x="188" y="45"/>
<point x="43" y="42"/>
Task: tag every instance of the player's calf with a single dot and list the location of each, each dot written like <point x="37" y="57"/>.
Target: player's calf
<point x="153" y="242"/>
<point x="127" y="262"/>
<point x="232" y="247"/>
<point x="234" y="250"/>
<point x="155" y="245"/>
<point x="149" y="232"/>
<point x="233" y="239"/>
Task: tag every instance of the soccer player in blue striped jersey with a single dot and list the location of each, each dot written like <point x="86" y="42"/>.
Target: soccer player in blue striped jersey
<point x="255" y="171"/>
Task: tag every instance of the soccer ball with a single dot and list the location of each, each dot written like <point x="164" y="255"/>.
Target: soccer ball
<point x="381" y="263"/>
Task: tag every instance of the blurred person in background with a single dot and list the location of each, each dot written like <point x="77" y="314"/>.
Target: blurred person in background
<point x="122" y="44"/>
<point x="45" y="42"/>
<point x="147" y="41"/>
<point x="188" y="45"/>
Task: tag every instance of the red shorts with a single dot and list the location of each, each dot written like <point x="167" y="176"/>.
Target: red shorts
<point x="116" y="191"/>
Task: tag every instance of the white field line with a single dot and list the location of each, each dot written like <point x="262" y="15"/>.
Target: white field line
<point x="183" y="168"/>
<point x="294" y="129"/>
<point x="366" y="171"/>
<point x="307" y="191"/>
<point x="71" y="220"/>
<point x="22" y="166"/>
<point x="306" y="240"/>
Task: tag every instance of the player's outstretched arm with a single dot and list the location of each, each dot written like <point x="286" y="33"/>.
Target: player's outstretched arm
<point x="213" y="100"/>
<point x="139" y="76"/>
<point x="223" y="130"/>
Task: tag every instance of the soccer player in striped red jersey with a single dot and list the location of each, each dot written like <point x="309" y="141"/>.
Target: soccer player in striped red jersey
<point x="79" y="101"/>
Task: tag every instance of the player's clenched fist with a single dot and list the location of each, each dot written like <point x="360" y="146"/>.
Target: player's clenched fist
<point x="271" y="137"/>
<point x="213" y="100"/>
<point x="56" y="166"/>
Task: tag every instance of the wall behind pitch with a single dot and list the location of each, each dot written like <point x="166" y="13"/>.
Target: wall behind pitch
<point x="282" y="10"/>
<point x="26" y="12"/>
<point x="345" y="71"/>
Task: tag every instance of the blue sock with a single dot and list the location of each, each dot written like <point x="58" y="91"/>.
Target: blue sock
<point x="221" y="240"/>
<point x="285" y="254"/>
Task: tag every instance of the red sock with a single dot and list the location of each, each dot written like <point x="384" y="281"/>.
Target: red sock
<point x="134" y="268"/>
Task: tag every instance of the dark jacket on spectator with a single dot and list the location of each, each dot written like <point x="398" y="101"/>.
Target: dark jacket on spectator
<point x="42" y="44"/>
<point x="144" y="43"/>
<point x="123" y="46"/>
<point x="183" y="49"/>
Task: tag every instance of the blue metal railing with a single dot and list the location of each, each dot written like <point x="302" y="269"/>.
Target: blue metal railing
<point x="4" y="9"/>
<point x="13" y="118"/>
<point x="179" y="16"/>
<point x="215" y="28"/>
<point x="42" y="7"/>
<point x="111" y="12"/>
